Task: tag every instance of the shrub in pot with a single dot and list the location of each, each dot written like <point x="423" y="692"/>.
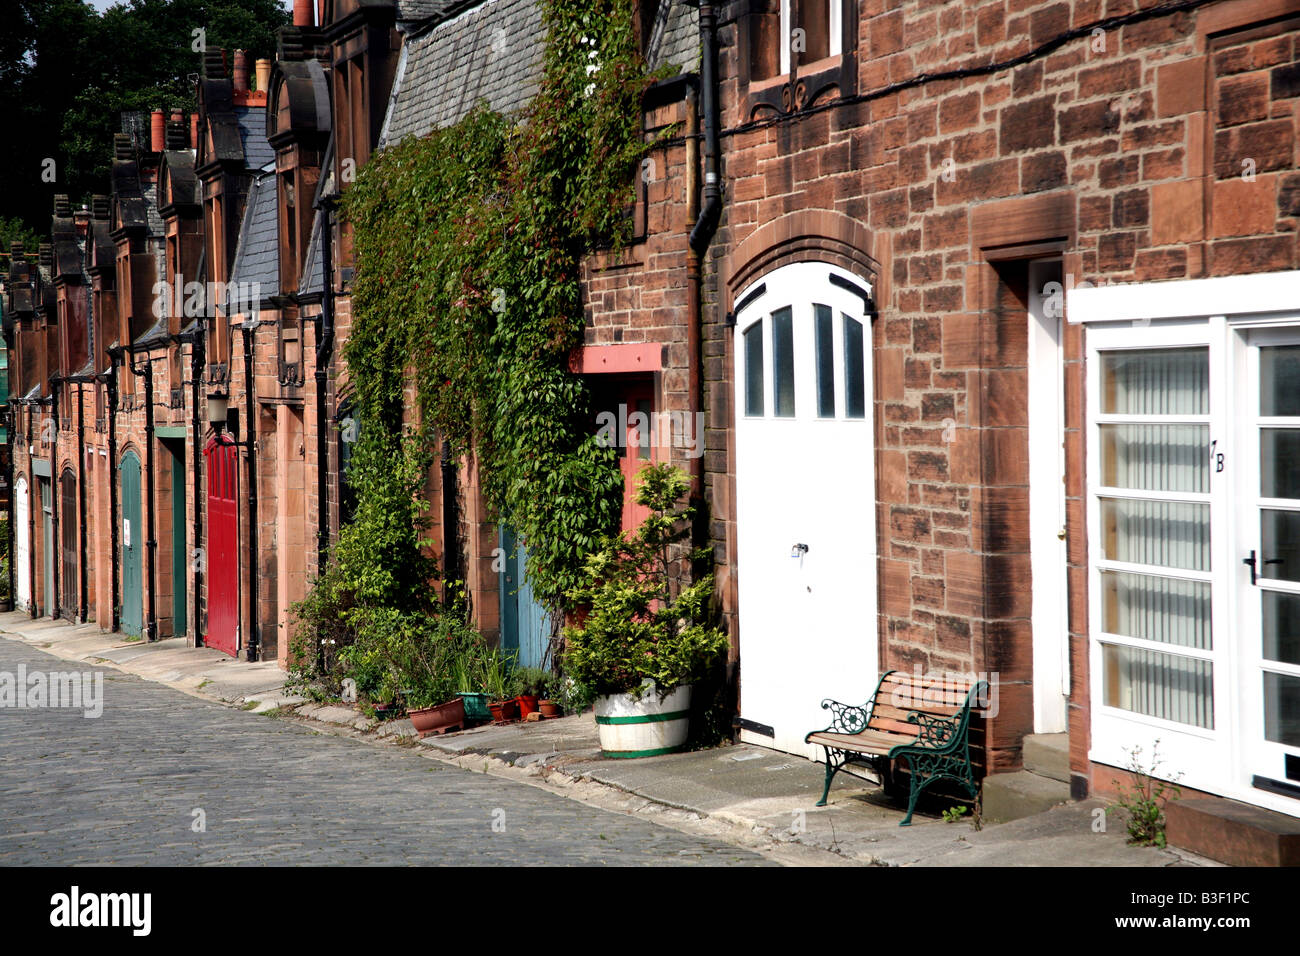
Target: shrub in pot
<point x="648" y="632"/>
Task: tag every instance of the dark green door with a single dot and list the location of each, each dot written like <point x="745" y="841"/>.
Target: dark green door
<point x="47" y="542"/>
<point x="179" y="607"/>
<point x="132" y="541"/>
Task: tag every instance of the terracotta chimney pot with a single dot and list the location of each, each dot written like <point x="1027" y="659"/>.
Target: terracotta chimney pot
<point x="157" y="132"/>
<point x="241" y="71"/>
<point x="303" y="15"/>
<point x="194" y="130"/>
<point x="263" y="74"/>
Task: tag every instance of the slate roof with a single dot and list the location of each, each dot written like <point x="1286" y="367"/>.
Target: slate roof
<point x="150" y="193"/>
<point x="492" y="52"/>
<point x="257" y="260"/>
<point x="312" y="280"/>
<point x="674" y="36"/>
<point x="252" y="131"/>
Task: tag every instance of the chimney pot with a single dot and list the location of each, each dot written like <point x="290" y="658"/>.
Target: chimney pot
<point x="157" y="132"/>
<point x="263" y="74"/>
<point x="194" y="130"/>
<point x="303" y="13"/>
<point x="241" y="71"/>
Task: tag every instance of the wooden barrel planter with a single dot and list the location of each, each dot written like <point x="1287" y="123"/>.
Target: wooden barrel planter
<point x="644" y="727"/>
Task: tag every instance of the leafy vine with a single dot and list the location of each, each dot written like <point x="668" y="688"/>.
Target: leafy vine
<point x="466" y="304"/>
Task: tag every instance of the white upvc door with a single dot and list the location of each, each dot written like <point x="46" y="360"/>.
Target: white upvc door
<point x="805" y="486"/>
<point x="1267" y="573"/>
<point x="22" y="544"/>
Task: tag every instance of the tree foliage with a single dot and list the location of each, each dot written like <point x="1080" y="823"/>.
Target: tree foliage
<point x="67" y="72"/>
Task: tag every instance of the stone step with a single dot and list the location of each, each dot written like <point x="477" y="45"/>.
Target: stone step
<point x="1010" y="796"/>
<point x="1048" y="755"/>
<point x="1232" y="832"/>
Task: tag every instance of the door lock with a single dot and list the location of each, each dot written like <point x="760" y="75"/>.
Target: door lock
<point x="798" y="550"/>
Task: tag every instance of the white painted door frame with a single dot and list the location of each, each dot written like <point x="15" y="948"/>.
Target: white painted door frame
<point x="1046" y="392"/>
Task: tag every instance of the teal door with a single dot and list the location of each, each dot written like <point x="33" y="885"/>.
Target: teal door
<point x="132" y="547"/>
<point x="47" y="542"/>
<point x="525" y="625"/>
<point x="180" y="610"/>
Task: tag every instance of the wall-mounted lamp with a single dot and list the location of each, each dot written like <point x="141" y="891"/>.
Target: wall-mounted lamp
<point x="218" y="407"/>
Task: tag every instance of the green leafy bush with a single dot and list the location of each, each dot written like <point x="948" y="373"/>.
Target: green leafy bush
<point x="644" y="621"/>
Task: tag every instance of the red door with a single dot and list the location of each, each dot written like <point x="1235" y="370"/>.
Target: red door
<point x="223" y="547"/>
<point x="637" y="448"/>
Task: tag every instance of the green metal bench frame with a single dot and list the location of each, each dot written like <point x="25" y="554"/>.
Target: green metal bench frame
<point x="940" y="750"/>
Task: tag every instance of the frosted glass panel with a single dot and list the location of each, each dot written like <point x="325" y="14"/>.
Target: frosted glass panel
<point x="1156" y="382"/>
<point x="1159" y="685"/>
<point x="1154" y="608"/>
<point x="1168" y="534"/>
<point x="1156" y="457"/>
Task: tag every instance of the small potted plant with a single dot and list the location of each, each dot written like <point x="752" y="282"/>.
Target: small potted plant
<point x="647" y="635"/>
<point x="529" y="684"/>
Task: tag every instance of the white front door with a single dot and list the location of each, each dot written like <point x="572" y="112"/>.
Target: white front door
<point x="22" y="545"/>
<point x="1268" y="542"/>
<point x="805" y="509"/>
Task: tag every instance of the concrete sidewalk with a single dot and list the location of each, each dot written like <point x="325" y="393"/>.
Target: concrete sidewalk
<point x="750" y="794"/>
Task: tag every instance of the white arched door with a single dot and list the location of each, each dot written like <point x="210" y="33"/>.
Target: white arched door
<point x="805" y="501"/>
<point x="22" y="545"/>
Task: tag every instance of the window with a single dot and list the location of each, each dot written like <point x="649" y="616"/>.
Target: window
<point x="1154" y="572"/>
<point x="794" y="52"/>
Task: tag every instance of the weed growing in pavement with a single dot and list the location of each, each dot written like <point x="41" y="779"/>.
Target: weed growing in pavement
<point x="1145" y="800"/>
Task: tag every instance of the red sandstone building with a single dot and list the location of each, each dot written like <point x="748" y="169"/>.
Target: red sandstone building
<point x="977" y="325"/>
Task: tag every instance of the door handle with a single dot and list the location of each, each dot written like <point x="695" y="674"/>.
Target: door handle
<point x="798" y="550"/>
<point x="1250" y="562"/>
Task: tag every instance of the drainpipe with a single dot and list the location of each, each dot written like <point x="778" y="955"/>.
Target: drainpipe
<point x="151" y="544"/>
<point x="196" y="376"/>
<point x="250" y="443"/>
<point x="702" y="233"/>
<point x="81" y="492"/>
<point x="324" y="354"/>
<point x="110" y="380"/>
<point x="694" y="355"/>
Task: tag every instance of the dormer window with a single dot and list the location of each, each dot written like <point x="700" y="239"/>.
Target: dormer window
<point x="795" y="52"/>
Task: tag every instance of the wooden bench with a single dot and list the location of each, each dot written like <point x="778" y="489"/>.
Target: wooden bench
<point x="925" y="720"/>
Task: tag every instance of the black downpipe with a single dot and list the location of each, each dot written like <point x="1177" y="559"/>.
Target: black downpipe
<point x="111" y="383"/>
<point x="324" y="354"/>
<point x="196" y="375"/>
<point x="250" y="443"/>
<point x="11" y="414"/>
<point x="151" y="544"/>
<point x="702" y="233"/>
<point x="81" y="503"/>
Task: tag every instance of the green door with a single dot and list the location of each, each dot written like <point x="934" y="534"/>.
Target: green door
<point x="179" y="608"/>
<point x="47" y="542"/>
<point x="132" y="547"/>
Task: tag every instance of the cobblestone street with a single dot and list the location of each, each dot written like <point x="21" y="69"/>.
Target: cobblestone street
<point x="124" y="788"/>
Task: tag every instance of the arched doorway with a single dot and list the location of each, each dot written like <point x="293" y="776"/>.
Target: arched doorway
<point x="805" y="500"/>
<point x="222" y="562"/>
<point x="132" y="546"/>
<point x="22" y="544"/>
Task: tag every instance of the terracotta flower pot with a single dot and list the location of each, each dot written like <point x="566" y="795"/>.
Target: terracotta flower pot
<point x="549" y="708"/>
<point x="439" y="719"/>
<point x="527" y="705"/>
<point x="505" y="711"/>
